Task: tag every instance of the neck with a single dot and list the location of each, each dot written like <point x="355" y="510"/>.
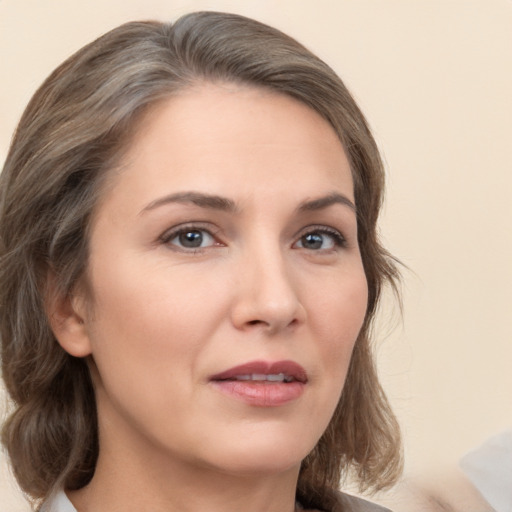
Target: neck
<point x="146" y="478"/>
<point x="176" y="491"/>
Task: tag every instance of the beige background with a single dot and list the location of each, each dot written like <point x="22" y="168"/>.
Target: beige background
<point x="435" y="80"/>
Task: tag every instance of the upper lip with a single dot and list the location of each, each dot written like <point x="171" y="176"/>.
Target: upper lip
<point x="289" y="369"/>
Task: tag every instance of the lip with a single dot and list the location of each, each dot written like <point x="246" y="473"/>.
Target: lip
<point x="262" y="393"/>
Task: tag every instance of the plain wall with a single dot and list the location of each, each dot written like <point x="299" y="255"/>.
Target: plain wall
<point x="434" y="78"/>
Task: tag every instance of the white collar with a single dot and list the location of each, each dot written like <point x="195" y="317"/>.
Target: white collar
<point x="59" y="502"/>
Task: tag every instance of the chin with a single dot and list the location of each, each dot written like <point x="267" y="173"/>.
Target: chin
<point x="274" y="463"/>
<point x="268" y="454"/>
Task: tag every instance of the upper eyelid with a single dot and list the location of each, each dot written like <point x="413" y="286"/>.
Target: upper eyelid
<point x="214" y="230"/>
<point x="322" y="228"/>
<point x="170" y="233"/>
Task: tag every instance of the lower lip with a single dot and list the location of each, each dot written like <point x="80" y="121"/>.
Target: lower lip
<point x="262" y="393"/>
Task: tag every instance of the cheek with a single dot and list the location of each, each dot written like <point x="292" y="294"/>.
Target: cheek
<point x="150" y="294"/>
<point x="153" y="322"/>
<point x="146" y="341"/>
<point x="142" y="328"/>
<point x="338" y="317"/>
<point x="335" y="317"/>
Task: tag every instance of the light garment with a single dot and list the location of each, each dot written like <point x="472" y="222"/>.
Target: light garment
<point x="61" y="503"/>
<point x="489" y="468"/>
<point x="58" y="503"/>
<point x="348" y="503"/>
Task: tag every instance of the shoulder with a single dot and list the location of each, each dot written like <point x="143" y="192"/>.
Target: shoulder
<point x="348" y="503"/>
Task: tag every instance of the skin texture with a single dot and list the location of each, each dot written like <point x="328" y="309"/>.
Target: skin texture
<point x="160" y="318"/>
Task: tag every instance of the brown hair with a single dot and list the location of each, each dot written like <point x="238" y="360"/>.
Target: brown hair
<point x="72" y="132"/>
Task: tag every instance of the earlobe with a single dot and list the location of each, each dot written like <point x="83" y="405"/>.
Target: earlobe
<point x="67" y="315"/>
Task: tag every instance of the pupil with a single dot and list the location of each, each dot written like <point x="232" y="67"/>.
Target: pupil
<point x="312" y="241"/>
<point x="191" y="239"/>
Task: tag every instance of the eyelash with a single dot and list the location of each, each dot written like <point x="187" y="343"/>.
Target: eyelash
<point x="339" y="240"/>
<point x="175" y="232"/>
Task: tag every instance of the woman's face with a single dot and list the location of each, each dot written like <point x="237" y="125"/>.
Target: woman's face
<point x="227" y="284"/>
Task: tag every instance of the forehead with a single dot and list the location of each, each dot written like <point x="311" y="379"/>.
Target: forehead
<point x="227" y="138"/>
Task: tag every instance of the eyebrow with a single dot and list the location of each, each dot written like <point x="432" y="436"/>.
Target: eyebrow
<point x="215" y="202"/>
<point x="325" y="202"/>
<point x="198" y="198"/>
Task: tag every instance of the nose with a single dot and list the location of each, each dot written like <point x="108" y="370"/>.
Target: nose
<point x="266" y="295"/>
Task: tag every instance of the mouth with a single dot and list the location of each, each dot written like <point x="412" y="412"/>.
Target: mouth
<point x="261" y="383"/>
<point x="261" y="377"/>
<point x="263" y="371"/>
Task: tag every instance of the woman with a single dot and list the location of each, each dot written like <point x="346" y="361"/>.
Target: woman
<point x="189" y="272"/>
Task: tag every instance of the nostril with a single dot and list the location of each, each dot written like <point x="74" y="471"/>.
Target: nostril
<point x="271" y="325"/>
<point x="255" y="322"/>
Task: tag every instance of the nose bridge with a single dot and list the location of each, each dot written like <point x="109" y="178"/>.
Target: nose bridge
<point x="273" y="280"/>
<point x="267" y="294"/>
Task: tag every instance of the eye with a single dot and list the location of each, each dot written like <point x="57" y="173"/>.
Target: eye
<point x="321" y="239"/>
<point x="189" y="238"/>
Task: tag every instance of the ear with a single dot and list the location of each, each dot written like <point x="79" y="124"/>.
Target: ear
<point x="67" y="314"/>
